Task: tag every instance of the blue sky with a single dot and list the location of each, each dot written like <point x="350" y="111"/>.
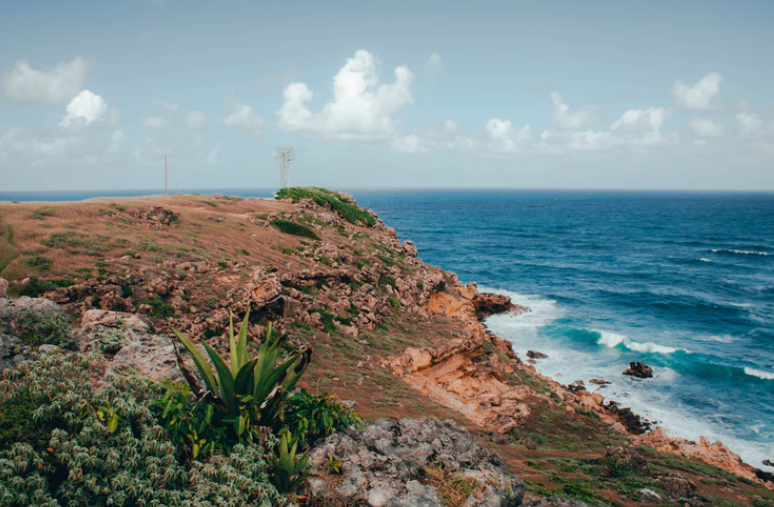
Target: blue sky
<point x="553" y="94"/>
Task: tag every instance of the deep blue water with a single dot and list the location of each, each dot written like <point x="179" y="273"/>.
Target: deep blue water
<point x="683" y="282"/>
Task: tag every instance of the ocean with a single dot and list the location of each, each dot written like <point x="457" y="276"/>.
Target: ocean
<point x="681" y="281"/>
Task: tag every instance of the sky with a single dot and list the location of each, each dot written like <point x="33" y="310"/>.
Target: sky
<point x="403" y="94"/>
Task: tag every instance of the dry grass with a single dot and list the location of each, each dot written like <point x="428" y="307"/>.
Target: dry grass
<point x="453" y="488"/>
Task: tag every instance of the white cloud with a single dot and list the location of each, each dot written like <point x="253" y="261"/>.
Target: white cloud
<point x="442" y="137"/>
<point x="245" y="118"/>
<point x="504" y="137"/>
<point x="751" y="126"/>
<point x="24" y="84"/>
<point x="564" y="119"/>
<point x="162" y="122"/>
<point x="636" y="129"/>
<point x="117" y="140"/>
<point x="87" y="107"/>
<point x="434" y="62"/>
<point x="699" y="97"/>
<point x="196" y="120"/>
<point x="705" y="128"/>
<point x="212" y="157"/>
<point x="409" y="144"/>
<point x="169" y="106"/>
<point x="361" y="109"/>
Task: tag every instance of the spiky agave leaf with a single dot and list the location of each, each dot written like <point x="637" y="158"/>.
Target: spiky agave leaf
<point x="200" y="361"/>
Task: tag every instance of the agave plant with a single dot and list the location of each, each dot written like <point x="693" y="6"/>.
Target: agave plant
<point x="288" y="469"/>
<point x="246" y="388"/>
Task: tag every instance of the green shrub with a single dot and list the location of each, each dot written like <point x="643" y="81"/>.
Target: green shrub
<point x="107" y="448"/>
<point x="36" y="329"/>
<point x="112" y="341"/>
<point x="349" y="212"/>
<point x="160" y="309"/>
<point x="295" y="229"/>
<point x="36" y="287"/>
<point x="327" y="319"/>
<point x="310" y="418"/>
<point x="387" y="280"/>
<point x="38" y="261"/>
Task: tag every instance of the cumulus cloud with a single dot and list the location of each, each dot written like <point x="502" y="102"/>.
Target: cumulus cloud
<point x="442" y="137"/>
<point x="24" y="84"/>
<point x="196" y="120"/>
<point x="701" y="96"/>
<point x="411" y="143"/>
<point x="504" y="137"/>
<point x="636" y="129"/>
<point x="564" y="119"/>
<point x="433" y="63"/>
<point x="361" y="108"/>
<point x="705" y="128"/>
<point x="751" y="126"/>
<point x="85" y="107"/>
<point x="245" y="118"/>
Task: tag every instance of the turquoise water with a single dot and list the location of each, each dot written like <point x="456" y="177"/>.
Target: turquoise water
<point x="683" y="282"/>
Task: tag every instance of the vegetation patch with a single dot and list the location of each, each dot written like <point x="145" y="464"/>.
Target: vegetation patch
<point x="160" y="309"/>
<point x="38" y="261"/>
<point x="453" y="488"/>
<point x="36" y="287"/>
<point x="43" y="213"/>
<point x="36" y="329"/>
<point x="295" y="229"/>
<point x="349" y="212"/>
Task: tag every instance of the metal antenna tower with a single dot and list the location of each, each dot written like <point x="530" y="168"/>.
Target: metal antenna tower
<point x="285" y="156"/>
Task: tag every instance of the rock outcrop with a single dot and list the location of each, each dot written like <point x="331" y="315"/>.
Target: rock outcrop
<point x="639" y="370"/>
<point x="714" y="453"/>
<point x="386" y="464"/>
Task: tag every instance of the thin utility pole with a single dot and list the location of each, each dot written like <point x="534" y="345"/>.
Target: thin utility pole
<point x="166" y="174"/>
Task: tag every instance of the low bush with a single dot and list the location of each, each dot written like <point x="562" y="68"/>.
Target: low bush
<point x="160" y="309"/>
<point x="349" y="212"/>
<point x="36" y="287"/>
<point x="295" y="229"/>
<point x="106" y="448"/>
<point x="36" y="329"/>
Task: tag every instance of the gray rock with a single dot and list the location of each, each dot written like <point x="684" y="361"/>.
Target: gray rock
<point x="648" y="495"/>
<point x="3" y="288"/>
<point x="385" y="462"/>
<point x="45" y="348"/>
<point x="13" y="311"/>
<point x="143" y="352"/>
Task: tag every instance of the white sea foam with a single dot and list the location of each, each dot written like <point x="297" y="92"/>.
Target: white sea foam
<point x="740" y="252"/>
<point x="612" y="340"/>
<point x="765" y="375"/>
<point x="702" y="259"/>
<point x="720" y="339"/>
<point x="650" y="399"/>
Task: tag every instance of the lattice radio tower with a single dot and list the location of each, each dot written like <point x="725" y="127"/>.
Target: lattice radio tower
<point x="285" y="156"/>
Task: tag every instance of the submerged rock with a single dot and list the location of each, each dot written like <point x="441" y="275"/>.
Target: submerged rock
<point x="534" y="354"/>
<point x="386" y="464"/>
<point x="639" y="370"/>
